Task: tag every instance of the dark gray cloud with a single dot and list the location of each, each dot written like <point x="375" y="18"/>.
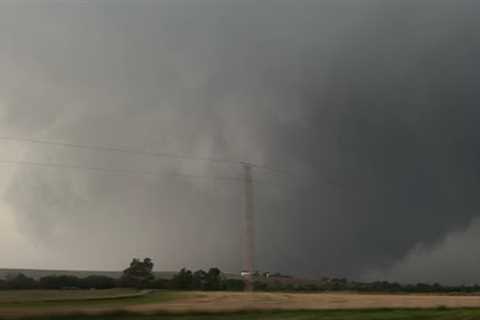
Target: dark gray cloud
<point x="370" y="105"/>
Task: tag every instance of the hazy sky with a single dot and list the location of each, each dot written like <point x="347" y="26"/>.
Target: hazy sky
<point x="371" y="106"/>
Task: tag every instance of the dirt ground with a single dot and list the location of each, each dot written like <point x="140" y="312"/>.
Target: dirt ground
<point x="230" y="302"/>
<point x="292" y="301"/>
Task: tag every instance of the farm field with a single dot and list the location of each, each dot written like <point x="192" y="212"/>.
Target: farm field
<point x="192" y="305"/>
<point x="458" y="314"/>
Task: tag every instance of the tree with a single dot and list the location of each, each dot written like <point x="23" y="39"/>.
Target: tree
<point x="3" y="284"/>
<point x="183" y="280"/>
<point x="199" y="280"/>
<point x="139" y="274"/>
<point x="20" y="282"/>
<point x="214" y="280"/>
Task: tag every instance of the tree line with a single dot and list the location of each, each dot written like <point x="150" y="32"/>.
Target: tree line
<point x="140" y="275"/>
<point x="22" y="282"/>
<point x="343" y="285"/>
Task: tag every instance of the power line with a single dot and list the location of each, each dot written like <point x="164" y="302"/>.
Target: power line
<point x="271" y="170"/>
<point x="132" y="151"/>
<point x="122" y="172"/>
<point x="118" y="150"/>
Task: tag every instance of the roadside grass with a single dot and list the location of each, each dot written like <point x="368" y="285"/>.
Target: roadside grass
<point x="380" y="314"/>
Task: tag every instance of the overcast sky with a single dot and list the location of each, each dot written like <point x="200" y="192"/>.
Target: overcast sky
<point x="371" y="106"/>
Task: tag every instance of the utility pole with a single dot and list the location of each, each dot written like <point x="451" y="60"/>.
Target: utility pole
<point x="249" y="228"/>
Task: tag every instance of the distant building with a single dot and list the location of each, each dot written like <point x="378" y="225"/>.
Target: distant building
<point x="255" y="274"/>
<point x="280" y="276"/>
<point x="245" y="274"/>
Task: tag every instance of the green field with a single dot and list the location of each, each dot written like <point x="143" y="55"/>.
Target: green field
<point x="27" y="296"/>
<point x="460" y="314"/>
<point x="48" y="299"/>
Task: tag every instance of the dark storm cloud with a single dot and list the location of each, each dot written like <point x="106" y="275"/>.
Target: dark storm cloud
<point x="370" y="105"/>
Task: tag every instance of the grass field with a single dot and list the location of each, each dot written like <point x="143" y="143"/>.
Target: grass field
<point x="9" y="297"/>
<point x="130" y="304"/>
<point x="33" y="303"/>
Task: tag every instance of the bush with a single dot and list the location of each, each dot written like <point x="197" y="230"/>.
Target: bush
<point x="20" y="282"/>
<point x="260" y="286"/>
<point x="97" y="282"/>
<point x="234" y="285"/>
<point x="161" y="284"/>
<point x="60" y="282"/>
